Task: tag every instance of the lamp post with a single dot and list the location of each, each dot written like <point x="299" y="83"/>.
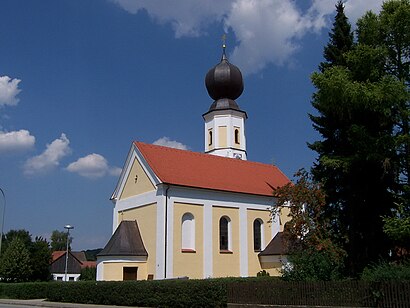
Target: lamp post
<point x="4" y="213"/>
<point x="68" y="227"/>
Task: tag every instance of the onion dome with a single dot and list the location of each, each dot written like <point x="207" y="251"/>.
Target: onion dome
<point x="224" y="84"/>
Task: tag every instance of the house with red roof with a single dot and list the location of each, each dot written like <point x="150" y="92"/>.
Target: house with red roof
<point x="75" y="263"/>
<point x="179" y="213"/>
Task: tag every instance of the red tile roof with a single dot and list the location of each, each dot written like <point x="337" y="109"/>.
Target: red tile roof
<point x="192" y="169"/>
<point x="78" y="255"/>
<point x="85" y="264"/>
<point x="56" y="254"/>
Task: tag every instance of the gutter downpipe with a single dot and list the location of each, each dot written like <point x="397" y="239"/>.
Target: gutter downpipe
<point x="166" y="231"/>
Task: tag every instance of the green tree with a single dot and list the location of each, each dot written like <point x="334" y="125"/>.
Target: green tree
<point x="59" y="241"/>
<point x="395" y="33"/>
<point x="385" y="271"/>
<point x="357" y="164"/>
<point x="88" y="273"/>
<point x="390" y="31"/>
<point x="394" y="26"/>
<point x="38" y="251"/>
<point x="23" y="235"/>
<point x="40" y="256"/>
<point x="340" y="40"/>
<point x="397" y="227"/>
<point x="308" y="235"/>
<point x="311" y="265"/>
<point x="15" y="263"/>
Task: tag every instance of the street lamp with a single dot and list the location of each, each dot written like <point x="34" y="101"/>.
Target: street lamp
<point x="4" y="213"/>
<point x="68" y="227"/>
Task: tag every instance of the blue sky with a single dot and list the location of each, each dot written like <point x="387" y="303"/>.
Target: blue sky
<point x="80" y="80"/>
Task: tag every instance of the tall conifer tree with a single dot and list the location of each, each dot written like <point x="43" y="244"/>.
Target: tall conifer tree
<point x="354" y="100"/>
<point x="340" y="40"/>
<point x="328" y="122"/>
<point x="394" y="30"/>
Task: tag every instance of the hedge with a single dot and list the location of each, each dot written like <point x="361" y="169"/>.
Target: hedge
<point x="156" y="293"/>
<point x="24" y="290"/>
<point x="215" y="292"/>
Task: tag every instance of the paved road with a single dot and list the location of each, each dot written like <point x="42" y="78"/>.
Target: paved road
<point x="14" y="306"/>
<point x="15" y="303"/>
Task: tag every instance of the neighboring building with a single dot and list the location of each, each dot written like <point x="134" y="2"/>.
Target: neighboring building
<point x="76" y="262"/>
<point x="185" y="214"/>
<point x="276" y="252"/>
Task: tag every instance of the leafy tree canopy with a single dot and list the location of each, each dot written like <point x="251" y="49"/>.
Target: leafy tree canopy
<point x="23" y="235"/>
<point x="39" y="257"/>
<point x="397" y="227"/>
<point x="88" y="273"/>
<point x="313" y="252"/>
<point x="362" y="113"/>
<point x="15" y="263"/>
<point x="59" y="241"/>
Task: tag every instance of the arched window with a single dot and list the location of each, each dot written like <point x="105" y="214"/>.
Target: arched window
<point x="188" y="232"/>
<point x="236" y="136"/>
<point x="257" y="234"/>
<point x="224" y="233"/>
<point x="210" y="137"/>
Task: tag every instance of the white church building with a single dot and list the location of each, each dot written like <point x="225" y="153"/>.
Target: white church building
<point x="186" y="214"/>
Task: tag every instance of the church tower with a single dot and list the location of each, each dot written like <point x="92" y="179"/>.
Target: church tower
<point x="225" y="121"/>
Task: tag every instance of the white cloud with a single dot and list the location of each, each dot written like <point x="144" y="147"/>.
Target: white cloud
<point x="267" y="31"/>
<point x="16" y="140"/>
<point x="355" y="9"/>
<point x="115" y="171"/>
<point x="8" y="91"/>
<point x="166" y="142"/>
<point x="50" y="158"/>
<point x="187" y="17"/>
<point x="93" y="166"/>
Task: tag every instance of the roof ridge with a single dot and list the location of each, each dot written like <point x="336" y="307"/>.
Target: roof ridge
<point x="207" y="171"/>
<point x="210" y="156"/>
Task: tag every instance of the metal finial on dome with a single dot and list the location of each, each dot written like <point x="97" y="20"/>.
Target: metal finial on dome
<point x="224" y="82"/>
<point x="224" y="47"/>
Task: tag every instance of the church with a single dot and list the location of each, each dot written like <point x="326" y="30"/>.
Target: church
<point x="183" y="214"/>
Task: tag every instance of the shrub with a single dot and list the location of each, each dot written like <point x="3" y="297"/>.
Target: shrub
<point x="156" y="293"/>
<point x="26" y="290"/>
<point x="385" y="271"/>
<point x="262" y="273"/>
<point x="312" y="266"/>
<point x="88" y="273"/>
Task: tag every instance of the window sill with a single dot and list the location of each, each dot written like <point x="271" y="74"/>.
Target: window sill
<point x="225" y="251"/>
<point x="257" y="250"/>
<point x="188" y="250"/>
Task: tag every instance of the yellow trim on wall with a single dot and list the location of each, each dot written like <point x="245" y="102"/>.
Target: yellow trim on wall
<point x="254" y="265"/>
<point x="113" y="271"/>
<point x="222" y="136"/>
<point x="284" y="212"/>
<point x="137" y="182"/>
<point x="225" y="263"/>
<point x="189" y="263"/>
<point x="147" y="224"/>
<point x="273" y="268"/>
